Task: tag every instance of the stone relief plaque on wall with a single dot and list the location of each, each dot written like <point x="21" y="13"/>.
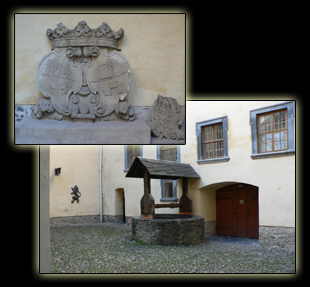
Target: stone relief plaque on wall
<point x="166" y="119"/>
<point x="84" y="77"/>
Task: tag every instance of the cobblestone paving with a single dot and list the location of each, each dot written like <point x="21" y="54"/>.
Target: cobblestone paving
<point x="108" y="248"/>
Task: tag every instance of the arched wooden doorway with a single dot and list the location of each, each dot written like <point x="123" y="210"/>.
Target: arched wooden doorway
<point x="237" y="210"/>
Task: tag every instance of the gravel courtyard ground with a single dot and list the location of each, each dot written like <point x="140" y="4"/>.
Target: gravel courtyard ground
<point x="108" y="248"/>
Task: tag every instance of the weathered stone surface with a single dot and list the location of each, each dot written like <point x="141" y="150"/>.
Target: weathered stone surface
<point x="108" y="248"/>
<point x="31" y="131"/>
<point x="140" y="112"/>
<point x="277" y="236"/>
<point x="83" y="219"/>
<point x="166" y="118"/>
<point x="55" y="221"/>
<point x="21" y="111"/>
<point x="113" y="218"/>
<point x="84" y="76"/>
<point x="210" y="228"/>
<point x="169" y="229"/>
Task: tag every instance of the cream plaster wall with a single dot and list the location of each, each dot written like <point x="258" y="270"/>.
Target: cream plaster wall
<point x="79" y="166"/>
<point x="275" y="177"/>
<point x="154" y="45"/>
<point x="114" y="179"/>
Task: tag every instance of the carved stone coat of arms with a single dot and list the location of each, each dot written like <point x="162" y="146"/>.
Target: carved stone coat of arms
<point x="166" y="119"/>
<point x="84" y="76"/>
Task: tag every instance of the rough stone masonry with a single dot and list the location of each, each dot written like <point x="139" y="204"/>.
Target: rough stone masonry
<point x="169" y="229"/>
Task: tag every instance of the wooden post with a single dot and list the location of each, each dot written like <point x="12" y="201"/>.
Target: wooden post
<point x="185" y="201"/>
<point x="147" y="201"/>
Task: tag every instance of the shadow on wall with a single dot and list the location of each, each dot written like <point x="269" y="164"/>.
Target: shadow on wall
<point x="120" y="205"/>
<point x="219" y="185"/>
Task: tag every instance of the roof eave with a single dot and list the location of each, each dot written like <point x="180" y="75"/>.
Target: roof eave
<point x="137" y="166"/>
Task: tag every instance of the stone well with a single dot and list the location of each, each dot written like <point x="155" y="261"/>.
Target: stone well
<point x="169" y="229"/>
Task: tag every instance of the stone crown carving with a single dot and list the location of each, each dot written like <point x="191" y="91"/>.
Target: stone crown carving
<point x="82" y="79"/>
<point x="83" y="35"/>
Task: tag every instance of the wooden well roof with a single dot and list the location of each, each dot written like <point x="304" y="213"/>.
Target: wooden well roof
<point x="160" y="169"/>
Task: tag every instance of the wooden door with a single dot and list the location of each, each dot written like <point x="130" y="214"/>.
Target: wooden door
<point x="241" y="213"/>
<point x="237" y="211"/>
<point x="252" y="213"/>
<point x="226" y="213"/>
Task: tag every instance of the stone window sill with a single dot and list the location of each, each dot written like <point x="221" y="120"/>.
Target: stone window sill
<point x="273" y="154"/>
<point x="213" y="160"/>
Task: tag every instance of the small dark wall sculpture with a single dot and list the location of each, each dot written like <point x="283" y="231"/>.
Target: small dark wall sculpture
<point x="57" y="171"/>
<point x="75" y="191"/>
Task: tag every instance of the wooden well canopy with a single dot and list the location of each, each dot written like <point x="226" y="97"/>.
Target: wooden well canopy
<point x="161" y="169"/>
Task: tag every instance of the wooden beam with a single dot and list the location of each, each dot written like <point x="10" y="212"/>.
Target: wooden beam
<point x="171" y="205"/>
<point x="146" y="216"/>
<point x="185" y="201"/>
<point x="147" y="201"/>
<point x="147" y="182"/>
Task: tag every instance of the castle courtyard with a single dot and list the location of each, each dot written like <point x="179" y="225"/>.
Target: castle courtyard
<point x="109" y="248"/>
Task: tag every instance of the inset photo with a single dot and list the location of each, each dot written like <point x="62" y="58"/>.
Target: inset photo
<point x="100" y="79"/>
